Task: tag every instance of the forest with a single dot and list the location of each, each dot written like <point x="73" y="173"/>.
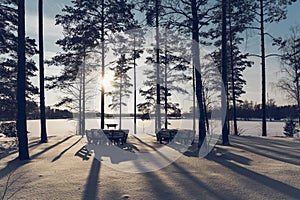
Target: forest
<point x="114" y="35"/>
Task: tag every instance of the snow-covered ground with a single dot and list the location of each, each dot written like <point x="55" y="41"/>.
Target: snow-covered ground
<point x="251" y="168"/>
<point x="62" y="127"/>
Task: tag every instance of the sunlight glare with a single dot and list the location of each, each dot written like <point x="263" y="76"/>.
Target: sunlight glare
<point x="107" y="81"/>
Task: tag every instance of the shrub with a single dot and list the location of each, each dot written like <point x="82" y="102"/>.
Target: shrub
<point x="9" y="129"/>
<point x="290" y="128"/>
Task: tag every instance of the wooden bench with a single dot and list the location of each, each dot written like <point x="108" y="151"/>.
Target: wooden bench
<point x="96" y="136"/>
<point x="173" y="135"/>
<point x="166" y="135"/>
<point x="185" y="136"/>
<point x="99" y="136"/>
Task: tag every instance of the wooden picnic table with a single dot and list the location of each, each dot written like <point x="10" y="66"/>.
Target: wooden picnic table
<point x="111" y="125"/>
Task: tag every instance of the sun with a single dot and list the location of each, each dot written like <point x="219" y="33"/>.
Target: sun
<point x="107" y="81"/>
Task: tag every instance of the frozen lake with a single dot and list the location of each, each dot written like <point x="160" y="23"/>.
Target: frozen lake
<point x="68" y="126"/>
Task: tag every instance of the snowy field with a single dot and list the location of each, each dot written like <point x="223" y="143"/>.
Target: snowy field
<point x="63" y="127"/>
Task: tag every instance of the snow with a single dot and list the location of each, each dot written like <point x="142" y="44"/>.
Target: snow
<point x="64" y="127"/>
<point x="251" y="168"/>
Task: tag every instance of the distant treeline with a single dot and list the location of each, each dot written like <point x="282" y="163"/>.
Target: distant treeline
<point x="246" y="111"/>
<point x="249" y="110"/>
<point x="34" y="113"/>
<point x="273" y="112"/>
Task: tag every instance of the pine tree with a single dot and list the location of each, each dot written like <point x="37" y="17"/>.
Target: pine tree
<point x="16" y="68"/>
<point x="87" y="26"/>
<point x="9" y="61"/>
<point x="189" y="17"/>
<point x="237" y="21"/>
<point x="267" y="12"/>
<point x="225" y="129"/>
<point x="21" y="82"/>
<point x="174" y="67"/>
<point x="42" y="77"/>
<point x="122" y="84"/>
<point x="153" y="10"/>
<point x="136" y="41"/>
<point x="77" y="45"/>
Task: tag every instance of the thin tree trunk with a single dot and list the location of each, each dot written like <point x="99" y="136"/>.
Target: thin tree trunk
<point x="120" y="97"/>
<point x="83" y="93"/>
<point x="196" y="63"/>
<point x="225" y="131"/>
<point x="21" y="85"/>
<point x="42" y="79"/>
<point x="263" y="69"/>
<point x="158" y="114"/>
<point x="234" y="104"/>
<point x="194" y="101"/>
<point x="134" y="84"/>
<point x="232" y="75"/>
<point x="232" y="64"/>
<point x="103" y="67"/>
<point x="205" y="112"/>
<point x="80" y="102"/>
<point x="298" y="95"/>
<point x="166" y="84"/>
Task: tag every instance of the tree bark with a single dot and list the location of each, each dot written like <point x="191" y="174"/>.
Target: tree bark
<point x="120" y="97"/>
<point x="235" y="129"/>
<point x="225" y="131"/>
<point x="134" y="84"/>
<point x="196" y="63"/>
<point x="263" y="69"/>
<point x="83" y="93"/>
<point x="298" y="93"/>
<point x="205" y="112"/>
<point x="103" y="67"/>
<point x="80" y="102"/>
<point x="194" y="101"/>
<point x="42" y="79"/>
<point x="166" y="81"/>
<point x="158" y="114"/>
<point x="21" y="85"/>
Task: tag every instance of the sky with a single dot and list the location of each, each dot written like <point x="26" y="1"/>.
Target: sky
<point x="251" y="75"/>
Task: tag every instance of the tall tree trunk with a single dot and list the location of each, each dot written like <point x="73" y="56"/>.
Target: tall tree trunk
<point x="235" y="129"/>
<point x="196" y="63"/>
<point x="134" y="84"/>
<point x="297" y="73"/>
<point x="21" y="85"/>
<point x="158" y="114"/>
<point x="263" y="69"/>
<point x="235" y="126"/>
<point x="225" y="131"/>
<point x="194" y="101"/>
<point x="120" y="97"/>
<point x="298" y="94"/>
<point x="83" y="93"/>
<point x="166" y="84"/>
<point x="103" y="67"/>
<point x="205" y="112"/>
<point x="42" y="79"/>
<point x="80" y="102"/>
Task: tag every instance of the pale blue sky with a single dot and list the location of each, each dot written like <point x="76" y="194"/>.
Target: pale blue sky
<point x="252" y="75"/>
